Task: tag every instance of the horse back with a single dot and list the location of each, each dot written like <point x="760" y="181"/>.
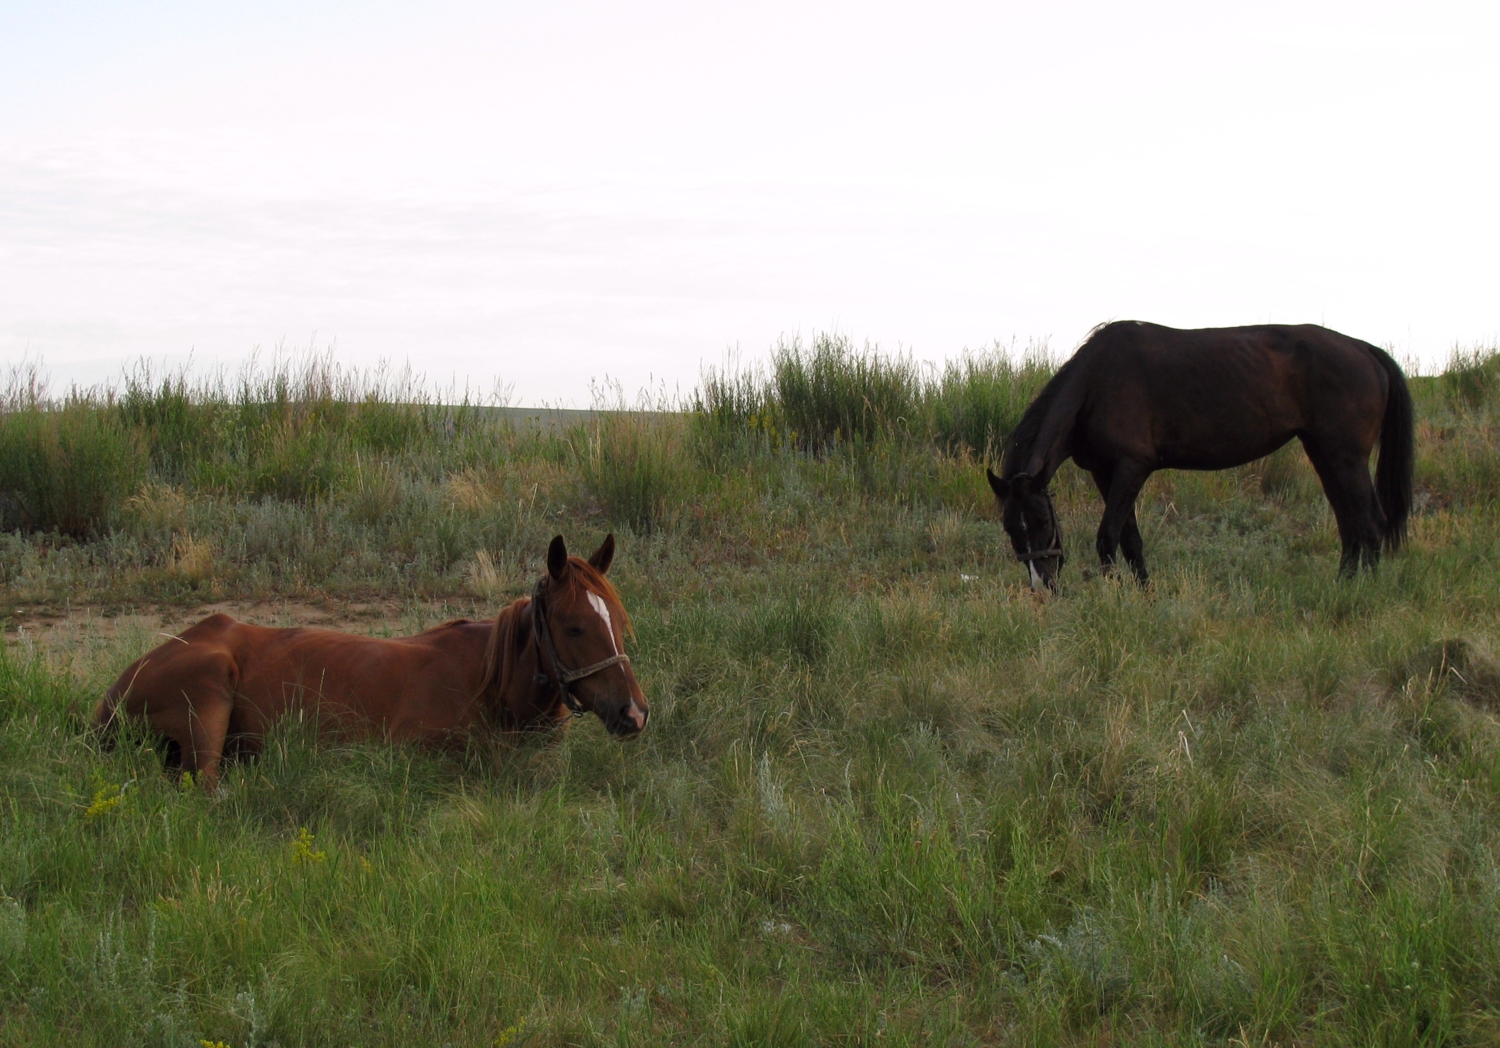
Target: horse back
<point x="1211" y="398"/>
<point x="405" y="688"/>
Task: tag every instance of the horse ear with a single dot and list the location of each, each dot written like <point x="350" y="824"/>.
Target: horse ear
<point x="557" y="557"/>
<point x="604" y="555"/>
<point x="1000" y="487"/>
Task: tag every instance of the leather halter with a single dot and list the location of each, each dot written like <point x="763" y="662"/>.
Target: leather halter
<point x="1056" y="549"/>
<point x="542" y="634"/>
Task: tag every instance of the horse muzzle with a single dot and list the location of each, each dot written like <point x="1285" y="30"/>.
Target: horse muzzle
<point x="626" y="721"/>
<point x="1045" y="576"/>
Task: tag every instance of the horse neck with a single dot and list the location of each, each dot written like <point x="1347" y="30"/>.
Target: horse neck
<point x="1045" y="432"/>
<point x="509" y="689"/>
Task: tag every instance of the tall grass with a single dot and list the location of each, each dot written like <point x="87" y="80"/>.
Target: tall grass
<point x="66" y="468"/>
<point x="830" y="394"/>
<point x="634" y="465"/>
<point x="286" y="429"/>
<point x="978" y="399"/>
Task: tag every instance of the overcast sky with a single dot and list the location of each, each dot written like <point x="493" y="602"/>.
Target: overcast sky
<point x="548" y="193"/>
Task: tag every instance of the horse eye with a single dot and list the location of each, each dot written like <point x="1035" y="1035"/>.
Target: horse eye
<point x="575" y="631"/>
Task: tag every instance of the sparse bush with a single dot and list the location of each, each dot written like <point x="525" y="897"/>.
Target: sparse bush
<point x="372" y="490"/>
<point x="1463" y="468"/>
<point x="191" y="559"/>
<point x="485" y="579"/>
<point x="830" y="394"/>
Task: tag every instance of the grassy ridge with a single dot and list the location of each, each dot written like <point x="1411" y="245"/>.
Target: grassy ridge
<point x="887" y="795"/>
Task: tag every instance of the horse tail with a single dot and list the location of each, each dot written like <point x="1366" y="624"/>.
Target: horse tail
<point x="1398" y="452"/>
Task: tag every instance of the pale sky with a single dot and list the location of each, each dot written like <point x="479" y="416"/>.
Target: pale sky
<point x="549" y="193"/>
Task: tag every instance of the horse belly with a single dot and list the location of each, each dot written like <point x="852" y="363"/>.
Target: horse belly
<point x="1223" y="454"/>
<point x="1219" y="431"/>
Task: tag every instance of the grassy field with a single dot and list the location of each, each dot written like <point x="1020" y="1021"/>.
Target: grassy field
<point x="888" y="796"/>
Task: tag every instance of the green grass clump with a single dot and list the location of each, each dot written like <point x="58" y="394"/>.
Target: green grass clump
<point x="887" y="796"/>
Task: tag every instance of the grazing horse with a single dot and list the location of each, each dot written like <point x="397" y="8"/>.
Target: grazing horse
<point x="545" y="658"/>
<point x="1139" y="397"/>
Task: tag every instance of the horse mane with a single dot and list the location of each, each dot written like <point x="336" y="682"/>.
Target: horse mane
<point x="502" y="650"/>
<point x="1022" y="440"/>
<point x="506" y="641"/>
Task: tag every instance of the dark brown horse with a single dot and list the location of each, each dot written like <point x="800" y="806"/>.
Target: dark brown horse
<point x="1139" y="397"/>
<point x="221" y="684"/>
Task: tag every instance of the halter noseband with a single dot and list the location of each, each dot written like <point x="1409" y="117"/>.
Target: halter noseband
<point x="542" y="633"/>
<point x="1056" y="548"/>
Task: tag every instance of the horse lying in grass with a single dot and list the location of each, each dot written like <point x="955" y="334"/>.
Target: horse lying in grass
<point x="218" y="687"/>
<point x="1138" y="397"/>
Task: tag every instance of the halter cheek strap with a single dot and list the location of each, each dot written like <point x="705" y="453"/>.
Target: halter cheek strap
<point x="1055" y="550"/>
<point x="541" y="632"/>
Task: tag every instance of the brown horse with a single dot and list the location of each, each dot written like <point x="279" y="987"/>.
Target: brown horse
<point x="221" y="684"/>
<point x="1138" y="397"/>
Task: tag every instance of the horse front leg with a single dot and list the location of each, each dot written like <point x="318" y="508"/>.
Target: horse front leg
<point x="1134" y="547"/>
<point x="1120" y="487"/>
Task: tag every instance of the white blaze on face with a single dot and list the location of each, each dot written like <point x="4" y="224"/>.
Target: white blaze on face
<point x="1036" y="576"/>
<point x="598" y="604"/>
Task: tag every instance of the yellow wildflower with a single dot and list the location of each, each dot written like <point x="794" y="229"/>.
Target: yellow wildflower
<point x="106" y="799"/>
<point x="213" y="1044"/>
<point x="511" y="1034"/>
<point x="303" y="851"/>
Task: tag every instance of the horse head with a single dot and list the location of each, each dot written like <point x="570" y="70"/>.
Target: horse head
<point x="1030" y="520"/>
<point x="580" y="628"/>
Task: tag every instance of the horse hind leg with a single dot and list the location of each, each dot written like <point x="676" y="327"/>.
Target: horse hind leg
<point x="1351" y="494"/>
<point x="198" y="721"/>
<point x="209" y="727"/>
